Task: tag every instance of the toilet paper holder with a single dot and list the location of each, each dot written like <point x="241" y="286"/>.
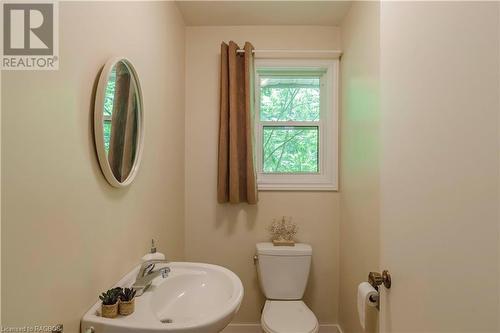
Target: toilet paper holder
<point x="376" y="279"/>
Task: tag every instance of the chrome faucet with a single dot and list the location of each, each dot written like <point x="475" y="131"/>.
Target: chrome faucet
<point x="147" y="273"/>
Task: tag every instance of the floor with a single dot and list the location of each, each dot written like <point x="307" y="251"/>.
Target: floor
<point x="255" y="328"/>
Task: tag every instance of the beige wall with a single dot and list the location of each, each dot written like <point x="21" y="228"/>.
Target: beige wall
<point x="1" y="196"/>
<point x="225" y="234"/>
<point x="439" y="166"/>
<point x="359" y="203"/>
<point x="66" y="234"/>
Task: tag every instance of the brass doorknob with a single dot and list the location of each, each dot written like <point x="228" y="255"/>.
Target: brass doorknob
<point x="376" y="279"/>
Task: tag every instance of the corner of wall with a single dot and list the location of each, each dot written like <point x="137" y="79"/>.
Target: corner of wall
<point x="359" y="199"/>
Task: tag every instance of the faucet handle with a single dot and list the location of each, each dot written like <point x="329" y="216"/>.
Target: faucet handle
<point x="165" y="271"/>
<point x="148" y="266"/>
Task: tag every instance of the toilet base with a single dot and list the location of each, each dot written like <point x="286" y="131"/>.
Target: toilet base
<point x="288" y="317"/>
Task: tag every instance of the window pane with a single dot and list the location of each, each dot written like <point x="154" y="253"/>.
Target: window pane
<point x="290" y="149"/>
<point x="289" y="98"/>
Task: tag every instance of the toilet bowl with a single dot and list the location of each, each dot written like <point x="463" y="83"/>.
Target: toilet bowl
<point x="288" y="317"/>
<point x="283" y="274"/>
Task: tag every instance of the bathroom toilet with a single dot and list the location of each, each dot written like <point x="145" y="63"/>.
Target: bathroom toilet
<point x="283" y="273"/>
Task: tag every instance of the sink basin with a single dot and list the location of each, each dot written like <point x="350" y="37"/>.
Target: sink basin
<point x="194" y="298"/>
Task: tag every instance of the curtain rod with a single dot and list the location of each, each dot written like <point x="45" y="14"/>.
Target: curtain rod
<point x="291" y="51"/>
<point x="295" y="54"/>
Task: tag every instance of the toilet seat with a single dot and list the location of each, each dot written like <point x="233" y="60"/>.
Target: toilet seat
<point x="288" y="317"/>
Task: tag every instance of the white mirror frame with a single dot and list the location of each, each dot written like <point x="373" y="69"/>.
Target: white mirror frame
<point x="99" y="128"/>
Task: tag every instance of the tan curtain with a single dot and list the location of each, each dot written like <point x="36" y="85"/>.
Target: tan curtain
<point x="236" y="172"/>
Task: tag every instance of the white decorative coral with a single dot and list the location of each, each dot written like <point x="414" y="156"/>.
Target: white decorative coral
<point x="283" y="229"/>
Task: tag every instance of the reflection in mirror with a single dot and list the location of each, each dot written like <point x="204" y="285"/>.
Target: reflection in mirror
<point x="119" y="116"/>
<point x="108" y="108"/>
<point x="120" y="123"/>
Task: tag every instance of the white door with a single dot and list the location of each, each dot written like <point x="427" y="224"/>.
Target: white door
<point x="439" y="166"/>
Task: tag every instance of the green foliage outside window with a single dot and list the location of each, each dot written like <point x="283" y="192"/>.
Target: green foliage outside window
<point x="290" y="149"/>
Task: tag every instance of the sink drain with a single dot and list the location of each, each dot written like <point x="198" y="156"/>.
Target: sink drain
<point x="167" y="321"/>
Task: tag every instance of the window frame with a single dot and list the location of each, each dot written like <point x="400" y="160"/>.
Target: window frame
<point x="327" y="177"/>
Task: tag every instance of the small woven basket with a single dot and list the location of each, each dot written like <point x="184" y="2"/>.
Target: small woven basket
<point x="109" y="311"/>
<point x="126" y="308"/>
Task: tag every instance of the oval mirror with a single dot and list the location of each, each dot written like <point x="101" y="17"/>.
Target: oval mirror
<point x="118" y="122"/>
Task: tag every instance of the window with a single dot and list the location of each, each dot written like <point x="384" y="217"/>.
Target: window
<point x="296" y="124"/>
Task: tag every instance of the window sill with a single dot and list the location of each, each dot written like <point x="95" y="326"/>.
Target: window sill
<point x="297" y="187"/>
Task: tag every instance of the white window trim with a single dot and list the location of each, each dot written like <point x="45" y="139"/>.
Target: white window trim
<point x="327" y="178"/>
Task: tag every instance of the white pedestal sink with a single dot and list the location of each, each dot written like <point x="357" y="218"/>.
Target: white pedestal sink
<point x="194" y="298"/>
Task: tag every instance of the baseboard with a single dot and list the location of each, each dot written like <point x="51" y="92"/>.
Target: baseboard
<point x="329" y="328"/>
<point x="242" y="328"/>
<point x="255" y="328"/>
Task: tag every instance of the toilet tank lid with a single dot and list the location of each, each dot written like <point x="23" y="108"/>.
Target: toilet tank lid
<point x="300" y="249"/>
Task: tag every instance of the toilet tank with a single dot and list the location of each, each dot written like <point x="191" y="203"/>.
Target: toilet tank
<point x="283" y="270"/>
